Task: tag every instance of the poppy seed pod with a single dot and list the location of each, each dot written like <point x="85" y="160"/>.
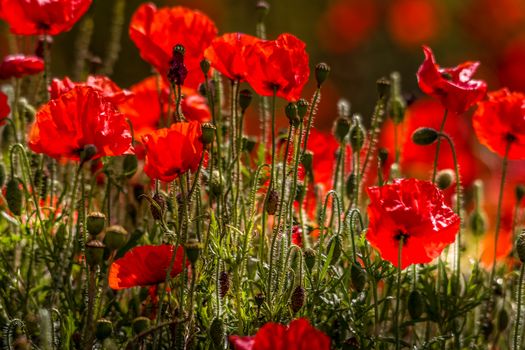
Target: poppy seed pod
<point x="103" y="329"/>
<point x="341" y="128"/>
<point x="13" y="196"/>
<point x="291" y="113"/>
<point x="425" y="136"/>
<point x="205" y="66"/>
<point x="357" y="277"/>
<point x="95" y="223"/>
<point x="297" y="299"/>
<point x="94" y="252"/>
<point x="415" y="304"/>
<point x="520" y="246"/>
<point x="383" y="87"/>
<point x="357" y="134"/>
<point x="208" y="133"/>
<point x="445" y="178"/>
<point x="321" y="73"/>
<point x="140" y="324"/>
<point x="302" y="108"/>
<point x="116" y="236"/>
<point x="245" y="99"/>
<point x="193" y="248"/>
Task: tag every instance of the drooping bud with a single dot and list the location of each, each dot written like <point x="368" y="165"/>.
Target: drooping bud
<point x="341" y="128"/>
<point x="309" y="258"/>
<point x="13" y="196"/>
<point x="116" y="236"/>
<point x="291" y="113"/>
<point x="337" y="247"/>
<point x="129" y="165"/>
<point x="445" y="178"/>
<point x="383" y="87"/>
<point x="321" y="73"/>
<point x="205" y="66"/>
<point x="396" y="104"/>
<point x="158" y="206"/>
<point x="302" y="108"/>
<point x="307" y="161"/>
<point x="415" y="304"/>
<point x="95" y="223"/>
<point x="103" y="329"/>
<point x="193" y="248"/>
<point x="245" y="99"/>
<point x="425" y="136"/>
<point x="177" y="71"/>
<point x="216" y="183"/>
<point x="208" y="133"/>
<point x="357" y="134"/>
<point x="297" y="299"/>
<point x="357" y="277"/>
<point x="272" y="202"/>
<point x="520" y="246"/>
<point x="224" y="283"/>
<point x="140" y="324"/>
<point x="94" y="252"/>
<point x="217" y="332"/>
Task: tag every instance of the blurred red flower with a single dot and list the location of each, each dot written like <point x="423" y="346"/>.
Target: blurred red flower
<point x="82" y="117"/>
<point x="173" y="151"/>
<point x="228" y="54"/>
<point x="297" y="235"/>
<point x="157" y="31"/>
<point x="414" y="211"/>
<point x="500" y="121"/>
<point x="454" y="87"/>
<point x="106" y="86"/>
<point x="4" y="108"/>
<point x="35" y="17"/>
<point x="280" y="64"/>
<point x="145" y="266"/>
<point x="18" y="66"/>
<point x="299" y="334"/>
<point x="511" y="65"/>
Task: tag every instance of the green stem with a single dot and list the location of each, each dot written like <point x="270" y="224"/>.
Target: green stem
<point x="438" y="144"/>
<point x="398" y="294"/>
<point x="517" y="325"/>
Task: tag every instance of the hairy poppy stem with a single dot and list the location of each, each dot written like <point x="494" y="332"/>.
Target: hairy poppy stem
<point x="517" y="325"/>
<point x="398" y="294"/>
<point x="438" y="145"/>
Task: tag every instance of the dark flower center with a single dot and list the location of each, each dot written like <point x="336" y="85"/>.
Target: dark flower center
<point x="401" y="235"/>
<point x="510" y="138"/>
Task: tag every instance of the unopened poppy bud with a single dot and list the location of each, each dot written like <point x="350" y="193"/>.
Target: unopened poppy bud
<point x="140" y="324"/>
<point x="262" y="7"/>
<point x="357" y="277"/>
<point x="224" y="283"/>
<point x="382" y="154"/>
<point x="503" y="320"/>
<point x="245" y="99"/>
<point x="273" y="202"/>
<point x="415" y="305"/>
<point x="477" y="222"/>
<point x="445" y="178"/>
<point x="205" y="66"/>
<point x="87" y="153"/>
<point x="520" y="192"/>
<point x="383" y="87"/>
<point x="425" y="136"/>
<point x="129" y="165"/>
<point x="343" y="108"/>
<point x="248" y="144"/>
<point x="302" y="108"/>
<point x="216" y="183"/>
<point x="357" y="134"/>
<point x="116" y="236"/>
<point x="520" y="246"/>
<point x="309" y="258"/>
<point x="259" y="299"/>
<point x="321" y="73"/>
<point x="208" y="133"/>
<point x="177" y="71"/>
<point x="13" y="196"/>
<point x="94" y="252"/>
<point x="95" y="223"/>
<point x="291" y="114"/>
<point x="307" y="161"/>
<point x="193" y="248"/>
<point x="158" y="206"/>
<point x="297" y="299"/>
<point x="336" y="246"/>
<point x="103" y="329"/>
<point x="217" y="332"/>
<point x="2" y="174"/>
<point x="341" y="128"/>
<point x="351" y="183"/>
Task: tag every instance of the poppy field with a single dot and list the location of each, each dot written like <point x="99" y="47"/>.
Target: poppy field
<point x="206" y="205"/>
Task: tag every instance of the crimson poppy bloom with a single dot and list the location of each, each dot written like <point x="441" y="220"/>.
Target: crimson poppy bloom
<point x="454" y="87"/>
<point x="145" y="266"/>
<point x="17" y="66"/>
<point x="414" y="211"/>
<point x="106" y="86"/>
<point x="173" y="151"/>
<point x="4" y="108"/>
<point x="34" y="17"/>
<point x="280" y="65"/>
<point x="299" y="334"/>
<point x="500" y="121"/>
<point x="81" y="117"/>
<point x="228" y="54"/>
<point x="193" y="29"/>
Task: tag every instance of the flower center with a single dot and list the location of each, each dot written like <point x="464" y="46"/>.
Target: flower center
<point x="510" y="138"/>
<point x="401" y="235"/>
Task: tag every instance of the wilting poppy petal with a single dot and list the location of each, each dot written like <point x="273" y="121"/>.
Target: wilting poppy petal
<point x="454" y="87"/>
<point x="145" y="266"/>
<point x="17" y="66"/>
<point x="4" y="108"/>
<point x="414" y="211"/>
<point x="35" y="17"/>
<point x="64" y="126"/>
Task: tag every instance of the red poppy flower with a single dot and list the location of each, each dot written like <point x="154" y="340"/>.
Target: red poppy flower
<point x="174" y="151"/>
<point x="4" y="108"/>
<point x="35" y="17"/>
<point x="280" y="64"/>
<point x="194" y="106"/>
<point x="299" y="334"/>
<point x="228" y="54"/>
<point x="81" y="117"/>
<point x="108" y="88"/>
<point x="17" y="66"/>
<point x="414" y="211"/>
<point x="297" y="236"/>
<point x="194" y="30"/>
<point x="501" y="120"/>
<point x="454" y="87"/>
<point x="145" y="266"/>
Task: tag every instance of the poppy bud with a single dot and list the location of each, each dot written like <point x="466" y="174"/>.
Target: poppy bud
<point x="2" y="174"/>
<point x="217" y="332"/>
<point x="307" y="161"/>
<point x="297" y="299"/>
<point x="520" y="246"/>
<point x="321" y="73"/>
<point x="357" y="134"/>
<point x="94" y="252"/>
<point x="341" y="128"/>
<point x="13" y="196"/>
<point x="343" y="108"/>
<point x="262" y="8"/>
<point x="205" y="66"/>
<point x="337" y="246"/>
<point x="177" y="71"/>
<point x="116" y="236"/>
<point x="309" y="258"/>
<point x="259" y="299"/>
<point x="245" y="98"/>
<point x="95" y="223"/>
<point x="272" y="202"/>
<point x="224" y="283"/>
<point x="208" y="133"/>
<point x="103" y="329"/>
<point x="193" y="248"/>
<point x="140" y="324"/>
<point x="351" y="183"/>
<point x="129" y="165"/>
<point x="357" y="277"/>
<point x="216" y="183"/>
<point x="503" y="320"/>
<point x="248" y="144"/>
<point x="415" y="305"/>
<point x="520" y="192"/>
<point x="302" y="108"/>
<point x="445" y="178"/>
<point x="424" y="136"/>
<point x="383" y="87"/>
<point x="87" y="153"/>
<point x="291" y="114"/>
<point x="478" y="222"/>
<point x="382" y="154"/>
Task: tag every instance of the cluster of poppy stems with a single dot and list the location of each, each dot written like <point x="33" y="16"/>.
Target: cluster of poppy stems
<point x="175" y="134"/>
